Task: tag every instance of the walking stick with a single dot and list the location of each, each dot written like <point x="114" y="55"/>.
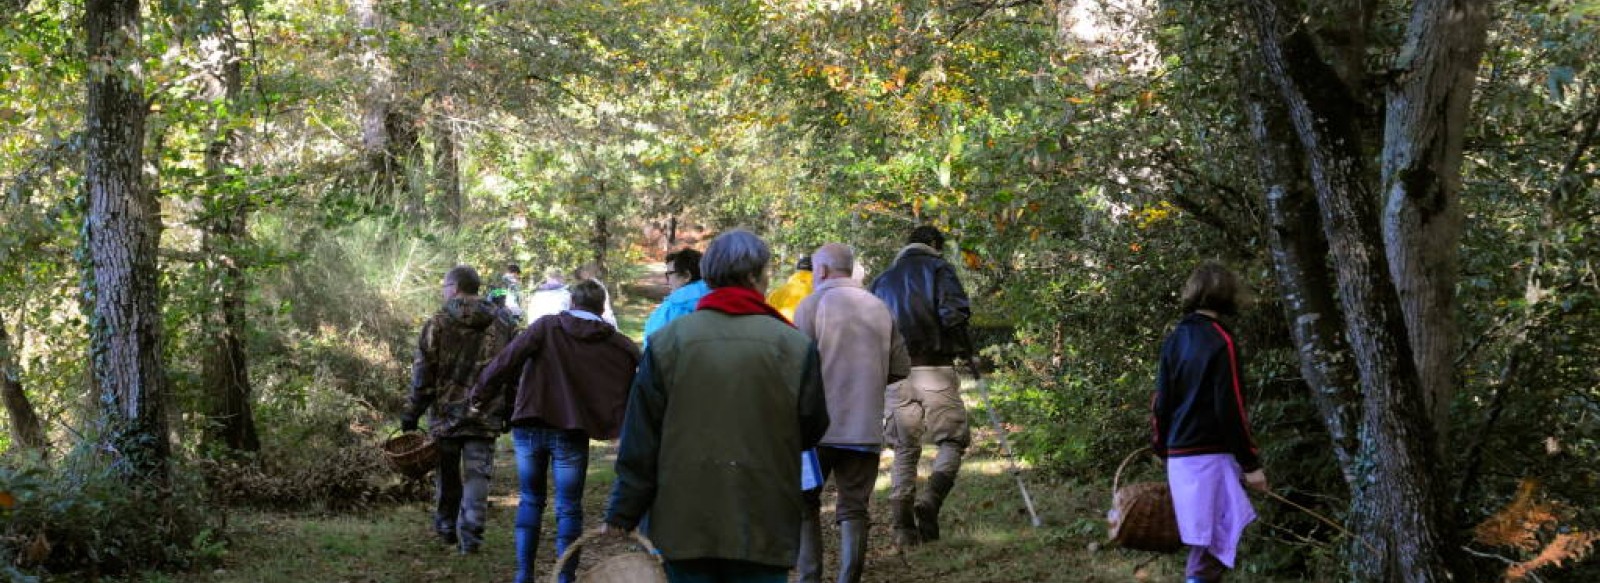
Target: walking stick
<point x="1005" y="446"/>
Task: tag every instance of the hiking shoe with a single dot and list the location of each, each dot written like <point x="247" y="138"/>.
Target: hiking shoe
<point x="927" y="522"/>
<point x="447" y="537"/>
<point x="906" y="538"/>
<point x="468" y="550"/>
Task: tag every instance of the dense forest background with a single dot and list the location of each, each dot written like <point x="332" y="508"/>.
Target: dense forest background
<point x="223" y="221"/>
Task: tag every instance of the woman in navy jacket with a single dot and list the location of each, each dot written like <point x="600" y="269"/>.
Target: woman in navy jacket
<point x="1198" y="424"/>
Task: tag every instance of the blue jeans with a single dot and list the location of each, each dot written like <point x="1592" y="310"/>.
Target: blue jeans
<point x="542" y="452"/>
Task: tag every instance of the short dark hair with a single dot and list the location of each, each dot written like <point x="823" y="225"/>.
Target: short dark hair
<point x="685" y="261"/>
<point x="1213" y="287"/>
<point x="588" y="295"/>
<point x="465" y="278"/>
<point x="514" y="268"/>
<point x="928" y="235"/>
<point x="804" y="264"/>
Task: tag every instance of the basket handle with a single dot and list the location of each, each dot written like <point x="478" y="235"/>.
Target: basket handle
<point x="1116" y="479"/>
<point x="589" y="537"/>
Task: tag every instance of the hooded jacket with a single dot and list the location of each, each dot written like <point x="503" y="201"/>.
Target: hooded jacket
<point x="789" y="295"/>
<point x="680" y="302"/>
<point x="455" y="344"/>
<point x="930" y="307"/>
<point x="574" y="374"/>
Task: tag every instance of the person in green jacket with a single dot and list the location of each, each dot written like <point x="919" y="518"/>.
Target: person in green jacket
<point x="724" y="401"/>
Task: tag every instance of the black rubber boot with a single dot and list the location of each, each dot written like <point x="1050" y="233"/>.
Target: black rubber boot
<point x="929" y="503"/>
<point x="905" y="523"/>
<point x="808" y="565"/>
<point x="852" y="550"/>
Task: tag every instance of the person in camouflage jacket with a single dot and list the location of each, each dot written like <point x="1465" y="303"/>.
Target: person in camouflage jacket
<point x="455" y="344"/>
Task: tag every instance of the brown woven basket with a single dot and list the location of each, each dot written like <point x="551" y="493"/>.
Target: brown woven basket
<point x="628" y="567"/>
<point x="1141" y="515"/>
<point x="412" y="454"/>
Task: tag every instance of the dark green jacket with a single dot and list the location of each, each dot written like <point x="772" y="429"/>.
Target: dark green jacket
<point x="717" y="417"/>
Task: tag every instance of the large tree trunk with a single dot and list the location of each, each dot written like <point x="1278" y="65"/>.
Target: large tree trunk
<point x="1423" y="134"/>
<point x="405" y="153"/>
<point x="1398" y="506"/>
<point x="122" y="233"/>
<point x="1299" y="257"/>
<point x="225" y="366"/>
<point x="25" y="426"/>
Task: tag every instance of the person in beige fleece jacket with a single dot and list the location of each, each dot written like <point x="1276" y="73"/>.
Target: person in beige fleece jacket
<point x="862" y="353"/>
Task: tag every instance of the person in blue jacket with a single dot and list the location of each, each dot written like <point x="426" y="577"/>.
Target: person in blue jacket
<point x="683" y="276"/>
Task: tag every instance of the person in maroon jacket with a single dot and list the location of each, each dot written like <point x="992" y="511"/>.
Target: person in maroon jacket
<point x="575" y="373"/>
<point x="1198" y="424"/>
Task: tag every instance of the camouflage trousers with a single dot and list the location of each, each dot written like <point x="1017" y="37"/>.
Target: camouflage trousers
<point x="926" y="406"/>
<point x="462" y="494"/>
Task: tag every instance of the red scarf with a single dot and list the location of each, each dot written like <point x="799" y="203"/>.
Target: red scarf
<point x="739" y="301"/>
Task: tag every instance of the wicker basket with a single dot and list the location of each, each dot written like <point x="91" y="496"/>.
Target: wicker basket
<point x="1141" y="515"/>
<point x="412" y="454"/>
<point x="629" y="567"/>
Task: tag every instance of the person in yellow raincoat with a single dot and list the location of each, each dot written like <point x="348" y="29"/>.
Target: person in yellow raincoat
<point x="787" y="297"/>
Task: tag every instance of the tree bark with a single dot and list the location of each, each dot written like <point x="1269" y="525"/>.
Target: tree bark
<point x="123" y="233"/>
<point x="1397" y="492"/>
<point x="599" y="240"/>
<point x="375" y="104"/>
<point x="409" y="182"/>
<point x="1299" y="258"/>
<point x="447" y="172"/>
<point x="1423" y="135"/>
<point x="225" y="366"/>
<point x="25" y="426"/>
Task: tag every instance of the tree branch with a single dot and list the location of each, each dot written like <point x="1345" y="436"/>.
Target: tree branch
<point x="43" y="162"/>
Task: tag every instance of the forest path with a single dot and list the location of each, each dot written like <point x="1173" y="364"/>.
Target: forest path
<point x="987" y="537"/>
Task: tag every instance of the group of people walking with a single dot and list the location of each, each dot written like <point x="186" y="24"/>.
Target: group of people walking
<point x="734" y="414"/>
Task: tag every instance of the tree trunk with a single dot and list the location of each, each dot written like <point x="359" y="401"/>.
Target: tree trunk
<point x="1299" y="257"/>
<point x="447" y="172"/>
<point x="600" y="239"/>
<point x="25" y="425"/>
<point x="410" y="180"/>
<point x="1423" y="134"/>
<point x="225" y="366"/>
<point x="1398" y="503"/>
<point x="122" y="234"/>
<point x="375" y="104"/>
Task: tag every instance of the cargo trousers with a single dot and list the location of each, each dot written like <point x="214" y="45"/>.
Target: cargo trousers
<point x="925" y="407"/>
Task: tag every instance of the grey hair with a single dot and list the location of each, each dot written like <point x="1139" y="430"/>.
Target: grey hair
<point x="735" y="258"/>
<point x="836" y="256"/>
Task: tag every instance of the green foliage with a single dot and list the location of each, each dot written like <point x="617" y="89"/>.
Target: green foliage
<point x="1079" y="177"/>
<point x="83" y="514"/>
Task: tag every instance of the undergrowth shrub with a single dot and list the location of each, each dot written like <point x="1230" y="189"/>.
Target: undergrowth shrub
<point x="81" y="516"/>
<point x="332" y="342"/>
<point x="324" y="411"/>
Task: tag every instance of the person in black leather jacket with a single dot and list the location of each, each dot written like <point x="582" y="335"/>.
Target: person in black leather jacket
<point x="931" y="310"/>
